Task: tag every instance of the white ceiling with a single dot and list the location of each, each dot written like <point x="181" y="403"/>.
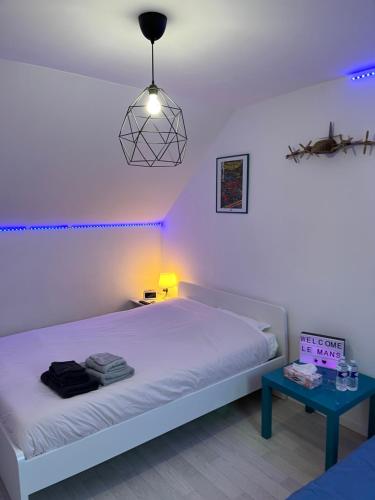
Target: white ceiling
<point x="215" y="56"/>
<point x="240" y="51"/>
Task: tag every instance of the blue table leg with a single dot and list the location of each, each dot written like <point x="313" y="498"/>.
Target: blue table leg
<point x="308" y="409"/>
<point x="332" y="439"/>
<point x="266" y="411"/>
<point x="371" y="417"/>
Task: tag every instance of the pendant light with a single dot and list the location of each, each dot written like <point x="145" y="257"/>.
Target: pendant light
<point x="153" y="132"/>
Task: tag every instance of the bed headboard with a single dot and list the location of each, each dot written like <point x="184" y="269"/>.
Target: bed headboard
<point x="273" y="314"/>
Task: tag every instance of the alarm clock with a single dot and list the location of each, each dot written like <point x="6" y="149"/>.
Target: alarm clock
<point x="149" y="295"/>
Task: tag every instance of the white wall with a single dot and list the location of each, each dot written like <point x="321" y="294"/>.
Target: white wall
<point x="57" y="276"/>
<point x="60" y="162"/>
<point x="60" y="156"/>
<point x="308" y="241"/>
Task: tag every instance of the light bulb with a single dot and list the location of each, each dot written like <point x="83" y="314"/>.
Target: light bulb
<point x="153" y="104"/>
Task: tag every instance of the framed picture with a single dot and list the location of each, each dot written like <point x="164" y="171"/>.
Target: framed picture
<point x="232" y="182"/>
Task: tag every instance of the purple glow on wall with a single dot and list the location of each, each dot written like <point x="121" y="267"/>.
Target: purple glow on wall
<point x="64" y="227"/>
<point x="321" y="350"/>
<point x="361" y="75"/>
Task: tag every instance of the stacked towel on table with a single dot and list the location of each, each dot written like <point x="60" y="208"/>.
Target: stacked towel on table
<point x="108" y="368"/>
<point x="68" y="379"/>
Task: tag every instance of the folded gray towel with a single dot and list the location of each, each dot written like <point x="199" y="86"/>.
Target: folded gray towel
<point x="105" y="362"/>
<point x="109" y="378"/>
<point x="112" y="374"/>
<point x="89" y="363"/>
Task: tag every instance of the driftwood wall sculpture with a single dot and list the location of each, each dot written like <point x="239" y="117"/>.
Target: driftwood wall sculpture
<point x="329" y="145"/>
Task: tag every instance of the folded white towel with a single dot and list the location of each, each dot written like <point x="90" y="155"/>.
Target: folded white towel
<point x="305" y="369"/>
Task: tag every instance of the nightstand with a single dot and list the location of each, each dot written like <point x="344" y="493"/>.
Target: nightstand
<point x="325" y="398"/>
<point x="138" y="302"/>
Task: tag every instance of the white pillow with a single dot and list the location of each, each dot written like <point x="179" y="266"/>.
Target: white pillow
<point x="259" y="325"/>
<point x="273" y="345"/>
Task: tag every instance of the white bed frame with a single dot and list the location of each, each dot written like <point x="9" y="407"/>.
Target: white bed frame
<point x="23" y="476"/>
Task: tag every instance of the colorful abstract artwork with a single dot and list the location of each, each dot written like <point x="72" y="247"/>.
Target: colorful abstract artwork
<point x="232" y="179"/>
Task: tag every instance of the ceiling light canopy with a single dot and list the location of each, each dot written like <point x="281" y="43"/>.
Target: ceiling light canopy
<point x="153" y="131"/>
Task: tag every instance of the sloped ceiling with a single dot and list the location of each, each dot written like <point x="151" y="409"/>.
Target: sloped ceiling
<point x="216" y="55"/>
<point x="60" y="157"/>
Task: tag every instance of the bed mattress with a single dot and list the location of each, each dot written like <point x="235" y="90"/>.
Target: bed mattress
<point x="176" y="347"/>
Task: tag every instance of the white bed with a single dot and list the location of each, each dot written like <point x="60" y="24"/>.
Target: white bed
<point x="190" y="357"/>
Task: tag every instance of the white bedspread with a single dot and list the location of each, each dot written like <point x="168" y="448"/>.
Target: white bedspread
<point x="176" y="347"/>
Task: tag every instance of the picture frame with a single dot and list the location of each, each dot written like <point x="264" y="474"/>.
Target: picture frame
<point x="232" y="184"/>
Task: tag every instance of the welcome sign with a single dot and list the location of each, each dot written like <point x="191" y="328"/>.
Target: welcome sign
<point x="321" y="350"/>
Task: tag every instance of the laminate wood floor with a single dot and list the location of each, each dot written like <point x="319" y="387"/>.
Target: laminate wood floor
<point x="220" y="456"/>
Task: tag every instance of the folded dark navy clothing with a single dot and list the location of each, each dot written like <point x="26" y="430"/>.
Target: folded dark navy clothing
<point x="69" y="391"/>
<point x="69" y="380"/>
<point x="60" y="368"/>
<point x="67" y="372"/>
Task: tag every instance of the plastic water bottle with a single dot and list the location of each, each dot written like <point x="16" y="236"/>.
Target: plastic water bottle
<point x="352" y="382"/>
<point x="341" y="375"/>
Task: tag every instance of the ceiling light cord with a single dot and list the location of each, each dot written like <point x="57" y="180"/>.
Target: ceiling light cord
<point x="152" y="62"/>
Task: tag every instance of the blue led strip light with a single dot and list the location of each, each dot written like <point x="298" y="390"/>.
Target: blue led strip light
<point x="64" y="227"/>
<point x="368" y="73"/>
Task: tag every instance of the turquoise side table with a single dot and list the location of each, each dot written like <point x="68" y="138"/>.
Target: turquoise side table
<point x="325" y="399"/>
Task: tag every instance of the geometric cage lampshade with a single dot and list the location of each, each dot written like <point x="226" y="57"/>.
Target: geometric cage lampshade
<point x="153" y="140"/>
<point x="153" y="132"/>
